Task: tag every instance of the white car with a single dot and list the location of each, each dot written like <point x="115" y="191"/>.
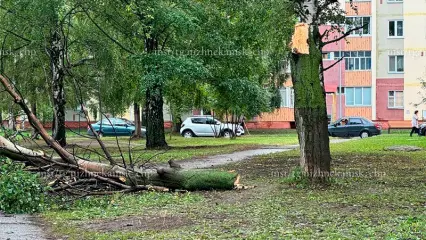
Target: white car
<point x="207" y="126"/>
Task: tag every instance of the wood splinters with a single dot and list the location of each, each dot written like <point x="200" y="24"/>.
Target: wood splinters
<point x="243" y="187"/>
<point x="122" y="179"/>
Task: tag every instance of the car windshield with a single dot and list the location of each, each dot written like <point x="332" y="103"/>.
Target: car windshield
<point x="337" y="122"/>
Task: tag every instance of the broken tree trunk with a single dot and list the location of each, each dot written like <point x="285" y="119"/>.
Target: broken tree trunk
<point x="310" y="103"/>
<point x="118" y="176"/>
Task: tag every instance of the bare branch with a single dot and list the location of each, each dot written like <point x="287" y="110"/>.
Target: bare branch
<point x="81" y="62"/>
<point x="347" y="33"/>
<point x="35" y="123"/>
<point x="334" y="64"/>
<point x="106" y="34"/>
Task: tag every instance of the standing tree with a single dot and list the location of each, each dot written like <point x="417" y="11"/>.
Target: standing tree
<point x="308" y="79"/>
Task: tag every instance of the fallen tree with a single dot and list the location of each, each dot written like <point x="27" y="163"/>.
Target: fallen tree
<point x="78" y="175"/>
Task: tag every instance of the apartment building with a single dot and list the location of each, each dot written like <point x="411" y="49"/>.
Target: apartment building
<point x="380" y="76"/>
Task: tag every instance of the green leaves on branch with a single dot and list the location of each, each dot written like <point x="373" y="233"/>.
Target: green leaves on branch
<point x="20" y="191"/>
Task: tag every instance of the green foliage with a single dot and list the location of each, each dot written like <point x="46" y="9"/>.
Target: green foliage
<point x="20" y="191"/>
<point x="296" y="178"/>
<point x="275" y="98"/>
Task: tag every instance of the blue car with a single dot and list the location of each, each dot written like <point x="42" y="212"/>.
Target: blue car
<point x="114" y="127"/>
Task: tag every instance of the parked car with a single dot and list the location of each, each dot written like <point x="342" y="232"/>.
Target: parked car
<point x="353" y="127"/>
<point x="207" y="126"/>
<point x="422" y="129"/>
<point x="114" y="127"/>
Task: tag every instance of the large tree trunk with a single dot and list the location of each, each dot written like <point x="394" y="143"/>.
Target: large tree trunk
<point x="310" y="109"/>
<point x="155" y="137"/>
<point x="34" y="133"/>
<point x="57" y="56"/>
<point x="137" y="116"/>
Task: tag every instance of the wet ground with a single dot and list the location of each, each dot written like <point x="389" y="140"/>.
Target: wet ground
<point x="20" y="227"/>
<point x="23" y="227"/>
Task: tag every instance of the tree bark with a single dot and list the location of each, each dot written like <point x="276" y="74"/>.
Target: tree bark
<point x="143" y="116"/>
<point x="12" y="118"/>
<point x="57" y="56"/>
<point x="155" y="137"/>
<point x="138" y="125"/>
<point x="34" y="133"/>
<point x="177" y="123"/>
<point x="310" y="109"/>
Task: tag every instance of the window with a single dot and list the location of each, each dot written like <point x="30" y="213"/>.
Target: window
<point x="396" y="28"/>
<point x="211" y="121"/>
<point x="355" y="121"/>
<point x="338" y="90"/>
<point x="327" y="56"/>
<point x="396" y="64"/>
<point x="355" y="60"/>
<point x="354" y="22"/>
<point x="358" y="96"/>
<point x="105" y="122"/>
<point x="287" y="97"/>
<point x="199" y="120"/>
<point x="119" y="122"/>
<point x="396" y="99"/>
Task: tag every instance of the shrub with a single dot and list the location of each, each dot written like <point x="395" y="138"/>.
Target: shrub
<point x="20" y="191"/>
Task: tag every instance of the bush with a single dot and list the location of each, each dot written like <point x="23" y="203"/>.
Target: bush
<point x="20" y="191"/>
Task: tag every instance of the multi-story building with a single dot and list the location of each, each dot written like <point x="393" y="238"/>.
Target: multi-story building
<point x="381" y="75"/>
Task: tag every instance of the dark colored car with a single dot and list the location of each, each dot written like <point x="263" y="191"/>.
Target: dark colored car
<point x="422" y="129"/>
<point x="114" y="127"/>
<point x="353" y="127"/>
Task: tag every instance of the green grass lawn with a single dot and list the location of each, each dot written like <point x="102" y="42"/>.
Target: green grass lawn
<point x="381" y="195"/>
<point x="181" y="148"/>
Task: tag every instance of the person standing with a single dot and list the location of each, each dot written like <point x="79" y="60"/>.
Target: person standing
<point x="414" y="123"/>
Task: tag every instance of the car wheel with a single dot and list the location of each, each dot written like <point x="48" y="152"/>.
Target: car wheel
<point x="364" y="134"/>
<point x="188" y="134"/>
<point x="100" y="134"/>
<point x="227" y="134"/>
<point x="132" y="133"/>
